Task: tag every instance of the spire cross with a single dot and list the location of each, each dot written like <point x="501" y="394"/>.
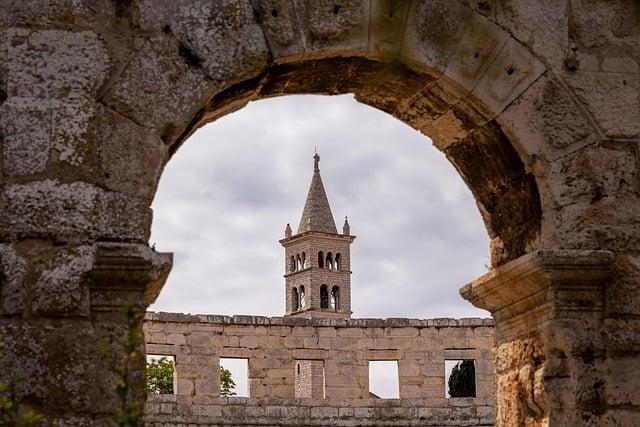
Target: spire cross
<point x="316" y="160"/>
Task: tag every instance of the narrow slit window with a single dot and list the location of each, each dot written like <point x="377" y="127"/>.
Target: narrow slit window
<point x="160" y="374"/>
<point x="320" y="259"/>
<point x="295" y="303"/>
<point x="303" y="299"/>
<point x="383" y="379"/>
<point x="234" y="377"/>
<point x="460" y="378"/>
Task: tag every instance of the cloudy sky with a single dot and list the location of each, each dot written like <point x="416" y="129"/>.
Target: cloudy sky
<point x="226" y="196"/>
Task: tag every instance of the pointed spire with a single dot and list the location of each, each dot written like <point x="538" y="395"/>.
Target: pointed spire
<point x="346" y="228"/>
<point x="316" y="215"/>
<point x="287" y="231"/>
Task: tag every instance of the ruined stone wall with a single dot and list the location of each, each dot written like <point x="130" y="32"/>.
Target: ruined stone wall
<point x="341" y="348"/>
<point x="536" y="103"/>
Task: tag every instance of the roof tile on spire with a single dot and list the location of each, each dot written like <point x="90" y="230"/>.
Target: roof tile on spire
<point x="316" y="215"/>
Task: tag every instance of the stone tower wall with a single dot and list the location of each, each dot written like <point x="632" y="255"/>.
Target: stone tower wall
<point x="309" y="379"/>
<point x="333" y="352"/>
<point x="314" y="277"/>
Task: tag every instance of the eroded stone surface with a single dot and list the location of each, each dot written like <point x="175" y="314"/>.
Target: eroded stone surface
<point x="333" y="355"/>
<point x="433" y="30"/>
<point x="171" y="91"/>
<point x="73" y="212"/>
<point x="55" y="64"/>
<point x="13" y="272"/>
<point x="214" y="45"/>
<point x="535" y="103"/>
<point x="62" y="285"/>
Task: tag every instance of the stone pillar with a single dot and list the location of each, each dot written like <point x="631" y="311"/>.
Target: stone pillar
<point x="549" y="350"/>
<point x="65" y="332"/>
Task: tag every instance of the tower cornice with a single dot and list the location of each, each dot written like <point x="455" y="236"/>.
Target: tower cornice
<point x="301" y="237"/>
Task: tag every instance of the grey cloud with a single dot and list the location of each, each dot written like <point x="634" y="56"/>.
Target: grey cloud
<point x="226" y="196"/>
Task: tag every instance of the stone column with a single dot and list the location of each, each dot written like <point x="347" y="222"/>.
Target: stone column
<point x="549" y="350"/>
<point x="65" y="333"/>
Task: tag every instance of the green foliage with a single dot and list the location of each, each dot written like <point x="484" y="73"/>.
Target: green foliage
<point x="11" y="413"/>
<point x="227" y="385"/>
<point x="129" y="413"/>
<point x="160" y="376"/>
<point x="462" y="382"/>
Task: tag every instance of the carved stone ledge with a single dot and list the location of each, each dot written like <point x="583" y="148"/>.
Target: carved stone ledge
<point x="540" y="286"/>
<point x="122" y="272"/>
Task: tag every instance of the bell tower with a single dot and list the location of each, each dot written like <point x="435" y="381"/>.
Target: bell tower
<point x="317" y="259"/>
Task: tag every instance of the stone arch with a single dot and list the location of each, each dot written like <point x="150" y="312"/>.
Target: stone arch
<point x="443" y="79"/>
<point x="542" y="127"/>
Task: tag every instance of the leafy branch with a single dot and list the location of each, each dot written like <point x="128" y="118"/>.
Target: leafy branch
<point x="129" y="412"/>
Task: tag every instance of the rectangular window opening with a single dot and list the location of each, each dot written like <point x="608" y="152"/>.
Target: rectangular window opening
<point x="160" y="374"/>
<point x="383" y="379"/>
<point x="460" y="378"/>
<point x="309" y="379"/>
<point x="234" y="377"/>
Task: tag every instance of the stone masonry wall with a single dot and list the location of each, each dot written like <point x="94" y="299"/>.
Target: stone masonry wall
<point x="313" y="277"/>
<point x="535" y="103"/>
<point x="309" y="379"/>
<point x="341" y="348"/>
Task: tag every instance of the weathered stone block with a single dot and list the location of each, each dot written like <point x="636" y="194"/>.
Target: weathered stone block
<point x="26" y="129"/>
<point x="524" y="21"/>
<point x="173" y="89"/>
<point x="280" y="27"/>
<point x="131" y="157"/>
<point x="185" y="387"/>
<point x="432" y="31"/>
<point x="622" y="385"/>
<point x="478" y="48"/>
<point x="333" y="26"/>
<point x="510" y="74"/>
<point x="52" y="209"/>
<point x="229" y="44"/>
<point x="13" y="289"/>
<point x="55" y="64"/>
<point x="324" y="412"/>
<point x="613" y="99"/>
<point x="62" y="287"/>
<point x="123" y="218"/>
<point x="548" y="119"/>
<point x="387" y="26"/>
<point x="60" y="13"/>
<point x="65" y="373"/>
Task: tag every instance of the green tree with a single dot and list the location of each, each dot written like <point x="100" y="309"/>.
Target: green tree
<point x="227" y="385"/>
<point x="462" y="382"/>
<point x="160" y="376"/>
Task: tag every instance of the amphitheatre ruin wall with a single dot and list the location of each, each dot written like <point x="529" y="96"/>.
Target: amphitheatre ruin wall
<point x="535" y="103"/>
